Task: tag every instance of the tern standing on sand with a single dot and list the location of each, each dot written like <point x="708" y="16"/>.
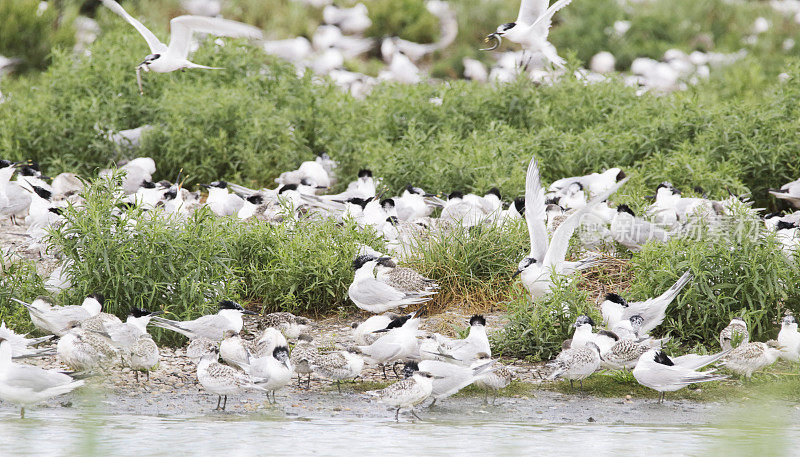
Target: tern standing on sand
<point x="165" y="59"/>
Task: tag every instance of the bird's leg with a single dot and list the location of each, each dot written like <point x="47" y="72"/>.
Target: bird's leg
<point x="394" y="369"/>
<point x="397" y="415"/>
<point x="384" y="371"/>
<point x="429" y="406"/>
<point x="308" y="382"/>
<point x="22" y="413"/>
<point x="581" y="381"/>
<point x="661" y="398"/>
<point x="136" y="374"/>
<point x="225" y="404"/>
<point x="338" y="387"/>
<point x="486" y="397"/>
<point x="413" y="413"/>
<point x="219" y="399"/>
<point x="148" y="376"/>
<point x="571" y="385"/>
<point x="299" y="379"/>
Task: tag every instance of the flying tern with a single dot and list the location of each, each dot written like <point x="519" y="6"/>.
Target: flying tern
<point x="165" y="59"/>
<point x="531" y="28"/>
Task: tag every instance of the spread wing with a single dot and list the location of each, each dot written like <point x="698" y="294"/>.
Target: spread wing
<point x="535" y="211"/>
<point x="543" y="22"/>
<point x="155" y="45"/>
<point x="531" y="10"/>
<point x="182" y="27"/>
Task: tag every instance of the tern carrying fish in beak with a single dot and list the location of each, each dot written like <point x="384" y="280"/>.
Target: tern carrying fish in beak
<point x="165" y="59"/>
<point x="531" y="29"/>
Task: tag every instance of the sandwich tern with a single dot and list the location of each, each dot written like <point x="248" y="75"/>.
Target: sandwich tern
<point x="624" y="354"/>
<point x="290" y="325"/>
<point x="467" y="349"/>
<point x="54" y="319"/>
<point x="449" y="377"/>
<point x="220" y="201"/>
<point x="595" y="183"/>
<point x="199" y="346"/>
<point x="14" y="199"/>
<point x="222" y="380"/>
<point x="22" y="346"/>
<point x="663" y="374"/>
<point x="632" y="232"/>
<point x="375" y="296"/>
<point x="789" y="339"/>
<point x="165" y="59"/>
<point x="616" y="309"/>
<point x="584" y="335"/>
<point x="266" y="343"/>
<point x="734" y="334"/>
<point x="214" y="326"/>
<point x="531" y="29"/>
<point x="339" y="365"/>
<point x="303" y="356"/>
<point x="364" y="333"/>
<point x="548" y="258"/>
<point x="789" y="192"/>
<point x="273" y="371"/>
<point x="233" y="352"/>
<point x="404" y="279"/>
<point x="499" y="377"/>
<point x="748" y="358"/>
<point x="406" y="393"/>
<point x="576" y="363"/>
<point x="84" y="350"/>
<point x="26" y="385"/>
<point x="143" y="355"/>
<point x="399" y="342"/>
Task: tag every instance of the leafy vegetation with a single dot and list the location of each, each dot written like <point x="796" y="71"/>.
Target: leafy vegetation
<point x="184" y="267"/>
<point x="30" y="34"/>
<point x="741" y="272"/>
<point x="536" y="330"/>
<point x="18" y="279"/>
<point x="472" y="266"/>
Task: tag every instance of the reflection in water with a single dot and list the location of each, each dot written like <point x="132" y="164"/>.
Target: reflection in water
<point x="83" y="432"/>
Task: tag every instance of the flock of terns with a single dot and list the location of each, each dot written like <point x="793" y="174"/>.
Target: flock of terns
<point x="434" y="366"/>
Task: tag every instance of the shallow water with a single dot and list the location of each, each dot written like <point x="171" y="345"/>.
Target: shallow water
<point x="82" y="432"/>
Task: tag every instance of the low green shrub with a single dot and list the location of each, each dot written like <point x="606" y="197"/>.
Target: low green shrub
<point x="18" y="279"/>
<point x="144" y="259"/>
<point x="536" y="330"/>
<point x="473" y="266"/>
<point x="738" y="272"/>
<point x="155" y="261"/>
<point x="303" y="267"/>
<point x="30" y="35"/>
<point x="407" y="19"/>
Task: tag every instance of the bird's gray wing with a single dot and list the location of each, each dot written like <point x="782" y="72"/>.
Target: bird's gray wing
<point x="156" y="46"/>
<point x="530" y="10"/>
<point x="370" y="291"/>
<point x="559" y="243"/>
<point x="535" y="210"/>
<point x="182" y="27"/>
<point x="212" y="326"/>
<point x="35" y="378"/>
